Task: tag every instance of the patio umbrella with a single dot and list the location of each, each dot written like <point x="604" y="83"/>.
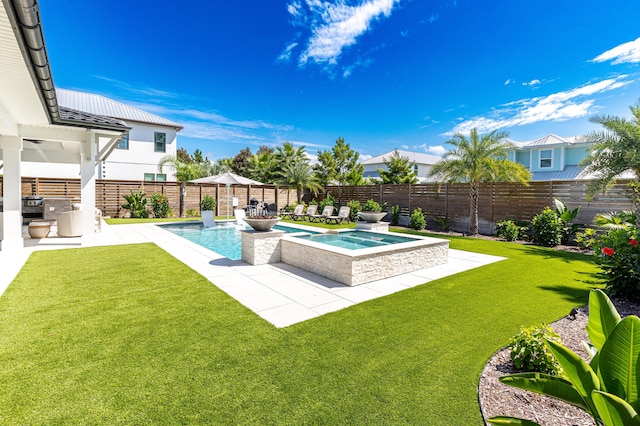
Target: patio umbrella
<point x="227" y="179"/>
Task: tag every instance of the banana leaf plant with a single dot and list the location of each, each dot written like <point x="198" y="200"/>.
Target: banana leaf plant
<point x="608" y="387"/>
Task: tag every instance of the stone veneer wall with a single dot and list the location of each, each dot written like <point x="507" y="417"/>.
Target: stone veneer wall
<point x="259" y="248"/>
<point x="362" y="269"/>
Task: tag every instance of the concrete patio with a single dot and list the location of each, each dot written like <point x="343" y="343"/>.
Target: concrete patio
<point x="281" y="294"/>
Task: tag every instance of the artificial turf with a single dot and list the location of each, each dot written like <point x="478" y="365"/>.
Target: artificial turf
<point x="129" y="335"/>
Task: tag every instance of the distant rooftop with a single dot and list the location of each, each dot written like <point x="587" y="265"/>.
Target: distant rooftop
<point x="100" y="105"/>
<point x="548" y="141"/>
<point x="414" y="157"/>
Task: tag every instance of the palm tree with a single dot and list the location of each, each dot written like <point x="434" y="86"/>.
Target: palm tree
<point x="300" y="175"/>
<point x="262" y="167"/>
<point x="288" y="153"/>
<point x="478" y="159"/>
<point x="184" y="173"/>
<point x="615" y="150"/>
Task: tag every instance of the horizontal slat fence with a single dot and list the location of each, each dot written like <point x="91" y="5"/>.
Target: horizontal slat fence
<point x="109" y="193"/>
<point x="496" y="201"/>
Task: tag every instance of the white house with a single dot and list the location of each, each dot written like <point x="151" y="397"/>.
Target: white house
<point x="35" y="128"/>
<point x="137" y="154"/>
<point x="422" y="164"/>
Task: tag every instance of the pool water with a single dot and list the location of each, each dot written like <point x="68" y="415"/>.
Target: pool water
<point x="224" y="239"/>
<point x="354" y="240"/>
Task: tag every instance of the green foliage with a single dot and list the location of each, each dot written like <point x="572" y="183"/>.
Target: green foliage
<point x="300" y="175"/>
<point x="607" y="386"/>
<point x="193" y="213"/>
<point x="586" y="239"/>
<point x="184" y="171"/>
<point x="328" y="201"/>
<point x="399" y="170"/>
<point x="339" y="165"/>
<point x="355" y="207"/>
<point x="241" y="163"/>
<point x="567" y="216"/>
<point x="618" y="255"/>
<point x="417" y="220"/>
<point x="160" y="205"/>
<point x="528" y="350"/>
<point x="136" y="203"/>
<point x="443" y="222"/>
<point x="371" y="206"/>
<point x="615" y="220"/>
<point x="395" y="215"/>
<point x="207" y="203"/>
<point x="508" y="230"/>
<point x="547" y="228"/>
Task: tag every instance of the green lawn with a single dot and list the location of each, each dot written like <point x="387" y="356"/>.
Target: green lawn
<point x="129" y="335"/>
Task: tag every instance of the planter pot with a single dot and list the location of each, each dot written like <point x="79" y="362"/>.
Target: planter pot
<point x="262" y="225"/>
<point x="372" y="217"/>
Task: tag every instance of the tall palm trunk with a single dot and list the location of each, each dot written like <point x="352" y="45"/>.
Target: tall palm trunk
<point x="473" y="196"/>
<point x="183" y="194"/>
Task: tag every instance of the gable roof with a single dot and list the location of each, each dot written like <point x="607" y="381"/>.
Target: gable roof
<point x="548" y="140"/>
<point x="101" y="105"/>
<point x="414" y="157"/>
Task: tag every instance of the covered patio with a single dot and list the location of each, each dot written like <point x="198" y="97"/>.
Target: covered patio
<point x="33" y="127"/>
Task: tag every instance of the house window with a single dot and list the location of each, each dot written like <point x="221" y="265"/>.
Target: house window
<point x="161" y="177"/>
<point x="546" y="158"/>
<point x="149" y="176"/>
<point x="124" y="142"/>
<point x="160" y="141"/>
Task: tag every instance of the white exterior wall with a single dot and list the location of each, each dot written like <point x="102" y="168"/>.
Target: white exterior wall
<point x="423" y="171"/>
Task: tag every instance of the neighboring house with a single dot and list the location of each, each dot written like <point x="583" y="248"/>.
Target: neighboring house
<point x="137" y="154"/>
<point x="422" y="164"/>
<point x="552" y="157"/>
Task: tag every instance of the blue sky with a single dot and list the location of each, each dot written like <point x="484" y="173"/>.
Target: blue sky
<point x="382" y="74"/>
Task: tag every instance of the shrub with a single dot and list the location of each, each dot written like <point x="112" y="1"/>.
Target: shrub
<point x="136" y="203"/>
<point x="355" y="207"/>
<point x="159" y="205"/>
<point x="208" y="203"/>
<point x="508" y="230"/>
<point x="615" y="220"/>
<point x="417" y="220"/>
<point x="443" y="222"/>
<point x="567" y="216"/>
<point x="618" y="255"/>
<point x="528" y="350"/>
<point x="328" y="201"/>
<point x="395" y="215"/>
<point x="372" y="206"/>
<point x="587" y="239"/>
<point x="192" y="213"/>
<point x="547" y="228"/>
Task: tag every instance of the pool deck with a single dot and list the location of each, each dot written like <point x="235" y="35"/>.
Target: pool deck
<point x="279" y="293"/>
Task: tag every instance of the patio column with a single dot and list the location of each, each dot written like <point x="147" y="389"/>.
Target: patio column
<point x="11" y="225"/>
<point x="88" y="184"/>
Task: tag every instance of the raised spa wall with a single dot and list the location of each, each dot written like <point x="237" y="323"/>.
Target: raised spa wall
<point x="350" y="267"/>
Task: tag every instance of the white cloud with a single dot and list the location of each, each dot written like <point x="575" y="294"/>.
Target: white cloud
<point x="533" y="82"/>
<point x="335" y="26"/>
<point x="561" y="106"/>
<point x="508" y="82"/>
<point x="624" y="53"/>
<point x="436" y="150"/>
<point x="286" y="53"/>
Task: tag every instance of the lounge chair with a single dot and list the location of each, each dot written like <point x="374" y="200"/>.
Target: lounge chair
<point x="343" y="215"/>
<point x="311" y="210"/>
<point x="297" y="211"/>
<point x="326" y="212"/>
<point x="207" y="219"/>
<point x="240" y="214"/>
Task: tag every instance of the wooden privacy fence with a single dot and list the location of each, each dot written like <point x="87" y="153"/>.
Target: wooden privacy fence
<point x="109" y="193"/>
<point x="496" y="201"/>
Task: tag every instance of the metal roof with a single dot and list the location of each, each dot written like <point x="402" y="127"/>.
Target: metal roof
<point x="84" y="119"/>
<point x="414" y="157"/>
<point x="101" y="105"/>
<point x="548" y="140"/>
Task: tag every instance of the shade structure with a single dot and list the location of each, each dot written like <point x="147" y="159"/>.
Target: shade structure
<point x="227" y="179"/>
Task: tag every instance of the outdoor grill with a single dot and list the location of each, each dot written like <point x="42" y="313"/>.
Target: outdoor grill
<point x="32" y="206"/>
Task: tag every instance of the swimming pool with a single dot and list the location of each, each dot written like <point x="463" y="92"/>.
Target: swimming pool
<point x="355" y="240"/>
<point x="225" y="239"/>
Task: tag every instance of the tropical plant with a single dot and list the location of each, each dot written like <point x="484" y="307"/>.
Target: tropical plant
<point x="287" y="153"/>
<point x="618" y="255"/>
<point x="395" y="215"/>
<point x="192" y="213"/>
<point x="240" y="164"/>
<point x="607" y="386"/>
<point x="567" y="216"/>
<point x="529" y="352"/>
<point x="263" y="167"/>
<point x="615" y="150"/>
<point x="136" y="203"/>
<point x="339" y="165"/>
<point x="547" y="228"/>
<point x="443" y="222"/>
<point x="207" y="203"/>
<point x="328" y="201"/>
<point x="508" y="230"/>
<point x="417" y="220"/>
<point x="184" y="171"/>
<point x="615" y="220"/>
<point x="160" y="205"/>
<point x="398" y="170"/>
<point x="478" y="159"/>
<point x="371" y="206"/>
<point x="587" y="239"/>
<point x="355" y="208"/>
<point x="299" y="175"/>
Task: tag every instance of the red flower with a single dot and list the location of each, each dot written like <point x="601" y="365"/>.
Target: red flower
<point x="633" y="242"/>
<point x="608" y="251"/>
